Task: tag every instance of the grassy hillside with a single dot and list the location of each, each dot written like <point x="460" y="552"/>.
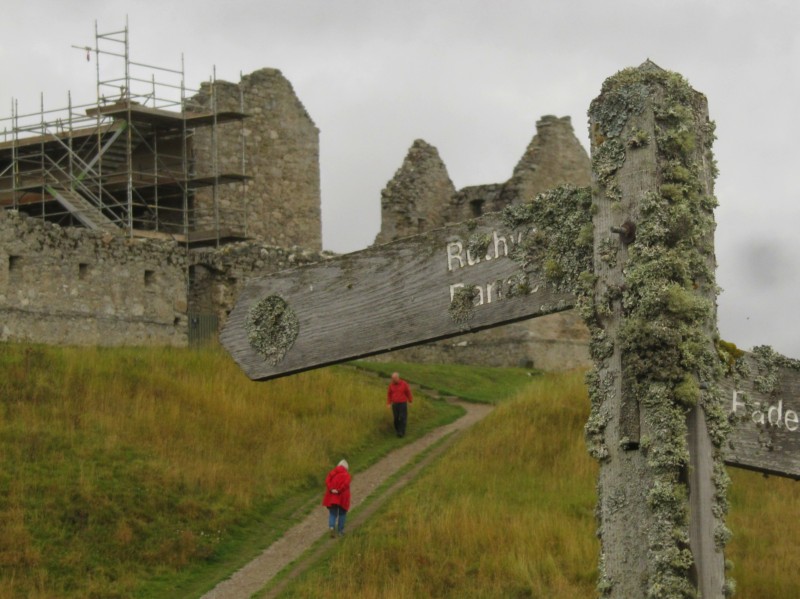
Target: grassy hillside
<point x="509" y="512"/>
<point x="154" y="473"/>
<point x="151" y="472"/>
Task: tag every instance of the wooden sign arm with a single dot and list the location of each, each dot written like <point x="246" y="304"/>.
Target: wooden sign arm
<point x="449" y="281"/>
<point x="761" y="395"/>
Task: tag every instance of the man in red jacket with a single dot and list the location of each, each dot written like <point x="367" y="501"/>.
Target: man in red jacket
<point x="337" y="496"/>
<point x="399" y="396"/>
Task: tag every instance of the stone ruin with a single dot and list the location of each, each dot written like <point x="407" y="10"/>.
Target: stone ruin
<point x="68" y="280"/>
<point x="73" y="285"/>
<point x="421" y="196"/>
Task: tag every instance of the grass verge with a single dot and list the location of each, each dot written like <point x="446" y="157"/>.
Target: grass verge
<point x="509" y="512"/>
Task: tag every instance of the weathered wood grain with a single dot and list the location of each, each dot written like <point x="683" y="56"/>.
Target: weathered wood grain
<point x="396" y="295"/>
<point x="766" y="435"/>
<point x="630" y="174"/>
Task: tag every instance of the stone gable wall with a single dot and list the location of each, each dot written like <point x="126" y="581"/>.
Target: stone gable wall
<point x="280" y="204"/>
<point x="417" y="198"/>
<point x="553" y="157"/>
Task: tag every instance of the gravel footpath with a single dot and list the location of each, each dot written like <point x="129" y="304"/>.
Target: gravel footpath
<point x="298" y="539"/>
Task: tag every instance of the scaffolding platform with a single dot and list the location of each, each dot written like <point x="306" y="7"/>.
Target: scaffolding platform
<point x="130" y="163"/>
<point x="165" y="119"/>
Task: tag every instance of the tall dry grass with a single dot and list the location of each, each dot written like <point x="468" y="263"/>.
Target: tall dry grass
<point x="128" y="465"/>
<point x="507" y="513"/>
<point x="765" y="548"/>
<point x="121" y="465"/>
<point x="195" y="411"/>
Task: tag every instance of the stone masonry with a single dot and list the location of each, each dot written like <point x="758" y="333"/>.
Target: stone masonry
<point x="76" y="286"/>
<point x="217" y="276"/>
<point x="417" y="199"/>
<point x="71" y="285"/>
<point x="280" y="204"/>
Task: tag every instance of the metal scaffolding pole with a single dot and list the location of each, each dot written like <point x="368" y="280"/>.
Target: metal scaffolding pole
<point x="126" y="160"/>
<point x="214" y="153"/>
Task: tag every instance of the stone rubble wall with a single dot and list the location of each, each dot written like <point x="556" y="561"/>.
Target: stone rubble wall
<point x="73" y="286"/>
<point x="80" y="287"/>
<point x="218" y="275"/>
<point x="76" y="286"/>
<point x="416" y="199"/>
<point x="280" y="204"/>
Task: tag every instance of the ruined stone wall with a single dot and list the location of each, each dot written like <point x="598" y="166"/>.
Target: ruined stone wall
<point x="553" y="157"/>
<point x="80" y="287"/>
<point x="73" y="286"/>
<point x="417" y="198"/>
<point x="218" y="275"/>
<point x="473" y="201"/>
<point x="280" y="204"/>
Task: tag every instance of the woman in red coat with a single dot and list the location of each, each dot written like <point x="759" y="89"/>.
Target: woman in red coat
<point x="337" y="497"/>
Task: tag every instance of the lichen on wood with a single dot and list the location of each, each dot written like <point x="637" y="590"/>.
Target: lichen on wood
<point x="478" y="244"/>
<point x="666" y="305"/>
<point x="769" y="363"/>
<point x="272" y="328"/>
<point x="560" y="221"/>
<point x="462" y="306"/>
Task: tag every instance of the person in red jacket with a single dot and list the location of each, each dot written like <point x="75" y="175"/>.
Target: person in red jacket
<point x="399" y="396"/>
<point x="337" y="497"/>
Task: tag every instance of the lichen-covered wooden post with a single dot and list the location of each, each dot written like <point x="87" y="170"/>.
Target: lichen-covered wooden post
<point x="656" y="423"/>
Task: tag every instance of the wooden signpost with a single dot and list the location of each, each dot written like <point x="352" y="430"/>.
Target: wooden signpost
<point x="371" y="305"/>
<point x="661" y="404"/>
<point x="763" y="401"/>
<point x="432" y="286"/>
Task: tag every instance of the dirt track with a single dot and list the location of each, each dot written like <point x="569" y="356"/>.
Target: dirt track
<point x="298" y="539"/>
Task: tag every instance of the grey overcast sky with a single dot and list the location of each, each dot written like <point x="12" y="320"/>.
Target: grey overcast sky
<point x="472" y="77"/>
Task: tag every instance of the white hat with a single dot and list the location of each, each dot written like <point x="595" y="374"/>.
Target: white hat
<point x="345" y="464"/>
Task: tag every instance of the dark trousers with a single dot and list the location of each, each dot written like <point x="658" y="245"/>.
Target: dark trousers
<point x="400" y="412"/>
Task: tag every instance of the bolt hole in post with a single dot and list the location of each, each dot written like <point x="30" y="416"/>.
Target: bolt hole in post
<point x="626" y="232"/>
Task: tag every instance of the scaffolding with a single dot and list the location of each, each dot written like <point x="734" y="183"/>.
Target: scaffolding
<point x="129" y="163"/>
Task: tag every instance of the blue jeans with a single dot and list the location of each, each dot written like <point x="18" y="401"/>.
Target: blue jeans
<point x="334" y="512"/>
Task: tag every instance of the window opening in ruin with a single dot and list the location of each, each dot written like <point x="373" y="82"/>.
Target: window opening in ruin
<point x="477" y="207"/>
<point x="14" y="268"/>
<point x="83" y="271"/>
<point x="149" y="277"/>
